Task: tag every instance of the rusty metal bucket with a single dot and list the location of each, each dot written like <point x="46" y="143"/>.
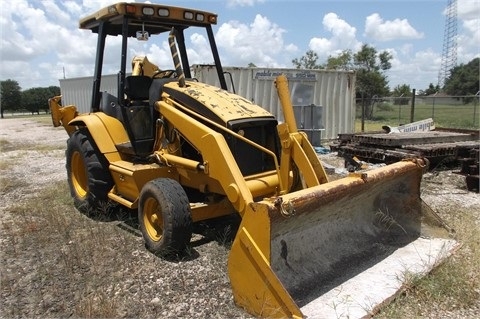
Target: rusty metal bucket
<point x="339" y="249"/>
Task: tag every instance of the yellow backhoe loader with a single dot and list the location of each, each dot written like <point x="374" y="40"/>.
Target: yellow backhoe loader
<point x="180" y="151"/>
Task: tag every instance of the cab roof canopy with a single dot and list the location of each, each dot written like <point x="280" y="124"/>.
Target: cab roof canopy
<point x="153" y="18"/>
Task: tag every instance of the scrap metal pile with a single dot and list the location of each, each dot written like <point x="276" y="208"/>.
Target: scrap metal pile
<point x="441" y="146"/>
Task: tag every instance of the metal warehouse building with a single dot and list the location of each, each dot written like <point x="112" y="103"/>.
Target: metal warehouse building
<point x="324" y="101"/>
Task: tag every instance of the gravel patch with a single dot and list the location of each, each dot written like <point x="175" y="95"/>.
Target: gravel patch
<point x="66" y="264"/>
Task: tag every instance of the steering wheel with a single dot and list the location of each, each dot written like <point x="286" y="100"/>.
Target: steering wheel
<point x="165" y="74"/>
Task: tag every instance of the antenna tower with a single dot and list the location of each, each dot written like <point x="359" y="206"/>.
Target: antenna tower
<point x="449" y="52"/>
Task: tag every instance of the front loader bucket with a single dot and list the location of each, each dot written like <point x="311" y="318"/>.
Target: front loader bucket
<point x="339" y="249"/>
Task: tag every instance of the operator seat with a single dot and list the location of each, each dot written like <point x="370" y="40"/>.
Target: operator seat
<point x="137" y="87"/>
<point x="140" y="115"/>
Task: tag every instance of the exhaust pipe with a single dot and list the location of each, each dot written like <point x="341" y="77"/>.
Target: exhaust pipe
<point x="176" y="60"/>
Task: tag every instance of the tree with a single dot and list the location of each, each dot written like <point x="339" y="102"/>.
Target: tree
<point x="343" y="61"/>
<point x="432" y="89"/>
<point x="252" y="65"/>
<point x="308" y="61"/>
<point x="370" y="66"/>
<point x="10" y="96"/>
<point x="371" y="80"/>
<point x="36" y="99"/>
<point x="463" y="79"/>
<point x="402" y="94"/>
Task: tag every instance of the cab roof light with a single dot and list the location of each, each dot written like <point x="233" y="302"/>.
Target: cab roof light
<point x="188" y="15"/>
<point x="199" y="17"/>
<point x="148" y="11"/>
<point x="163" y="12"/>
<point x="130" y="9"/>
<point x="112" y="10"/>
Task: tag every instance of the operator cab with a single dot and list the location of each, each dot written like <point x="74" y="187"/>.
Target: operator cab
<point x="137" y="92"/>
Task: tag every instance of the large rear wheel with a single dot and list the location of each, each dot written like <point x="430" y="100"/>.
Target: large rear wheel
<point x="164" y="217"/>
<point x="88" y="175"/>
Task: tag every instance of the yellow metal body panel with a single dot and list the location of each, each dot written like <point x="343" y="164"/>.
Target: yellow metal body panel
<point x="129" y="177"/>
<point x="220" y="168"/>
<point x="223" y="104"/>
<point x="105" y="130"/>
<point x="201" y="211"/>
<point x="255" y="286"/>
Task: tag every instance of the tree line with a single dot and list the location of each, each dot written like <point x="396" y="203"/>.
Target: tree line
<point x="32" y="100"/>
<point x="369" y="64"/>
<point x="372" y="82"/>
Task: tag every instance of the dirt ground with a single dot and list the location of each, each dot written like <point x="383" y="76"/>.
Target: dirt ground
<point x="65" y="264"/>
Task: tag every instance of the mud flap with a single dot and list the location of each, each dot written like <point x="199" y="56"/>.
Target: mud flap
<point x="297" y="256"/>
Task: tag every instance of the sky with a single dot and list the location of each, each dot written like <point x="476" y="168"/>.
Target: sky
<point x="41" y="42"/>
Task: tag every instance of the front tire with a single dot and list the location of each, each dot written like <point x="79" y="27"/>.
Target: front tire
<point x="164" y="217"/>
<point x="88" y="175"/>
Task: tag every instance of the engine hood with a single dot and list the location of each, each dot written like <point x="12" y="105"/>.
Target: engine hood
<point x="214" y="103"/>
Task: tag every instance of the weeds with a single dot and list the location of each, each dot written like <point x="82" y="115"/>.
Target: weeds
<point x="96" y="304"/>
<point x="455" y="285"/>
<point x="387" y="221"/>
<point x="5" y="145"/>
<point x="8" y="184"/>
<point x="51" y="244"/>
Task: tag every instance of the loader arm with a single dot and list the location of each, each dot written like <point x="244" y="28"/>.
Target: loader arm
<point x="291" y="248"/>
<point x="295" y="145"/>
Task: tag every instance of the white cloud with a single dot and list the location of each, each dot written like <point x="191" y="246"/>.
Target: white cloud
<point x="380" y="30"/>
<point x="200" y="52"/>
<point x="92" y="6"/>
<point x="406" y="49"/>
<point x="41" y="37"/>
<point x="39" y="32"/>
<point x="73" y="8"/>
<point x="343" y="37"/>
<point x="243" y="3"/>
<point x="418" y="71"/>
<point x="260" y="42"/>
<point x="468" y="9"/>
<point x="51" y="9"/>
<point x="468" y="39"/>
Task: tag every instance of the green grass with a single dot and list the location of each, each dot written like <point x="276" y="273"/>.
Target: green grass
<point x="452" y="116"/>
<point x="453" y="286"/>
<point x="6" y="146"/>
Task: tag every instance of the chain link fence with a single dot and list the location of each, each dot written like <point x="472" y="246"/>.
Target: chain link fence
<point x="462" y="112"/>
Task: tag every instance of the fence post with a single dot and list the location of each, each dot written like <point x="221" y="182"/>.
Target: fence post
<point x="475" y="103"/>
<point x="433" y="108"/>
<point x="363" y="113"/>
<point x="412" y="108"/>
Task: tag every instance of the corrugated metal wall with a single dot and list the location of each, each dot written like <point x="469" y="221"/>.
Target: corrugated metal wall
<point x="78" y="91"/>
<point x="334" y="91"/>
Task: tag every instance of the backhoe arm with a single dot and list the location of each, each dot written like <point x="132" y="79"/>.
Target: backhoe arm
<point x="142" y="66"/>
<point x="62" y="115"/>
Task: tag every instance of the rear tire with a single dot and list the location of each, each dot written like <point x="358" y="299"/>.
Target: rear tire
<point x="88" y="175"/>
<point x="164" y="217"/>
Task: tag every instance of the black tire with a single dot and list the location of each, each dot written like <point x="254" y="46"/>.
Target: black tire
<point x="88" y="175"/>
<point x="164" y="217"/>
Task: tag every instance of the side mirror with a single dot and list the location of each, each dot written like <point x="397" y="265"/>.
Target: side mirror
<point x="142" y="35"/>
